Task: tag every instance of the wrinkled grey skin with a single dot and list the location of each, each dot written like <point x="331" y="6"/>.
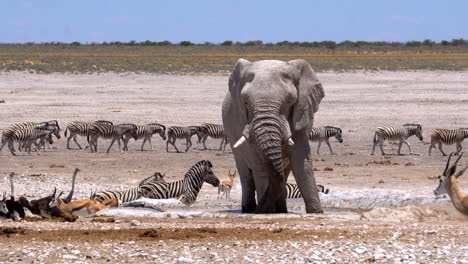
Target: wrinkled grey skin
<point x="269" y="102"/>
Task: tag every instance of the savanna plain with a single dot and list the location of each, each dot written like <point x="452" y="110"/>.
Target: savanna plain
<point x="381" y="220"/>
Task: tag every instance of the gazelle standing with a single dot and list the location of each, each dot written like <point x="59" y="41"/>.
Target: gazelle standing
<point x="224" y="189"/>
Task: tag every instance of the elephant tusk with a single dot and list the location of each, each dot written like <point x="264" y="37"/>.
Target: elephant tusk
<point x="239" y="142"/>
<point x="290" y="142"/>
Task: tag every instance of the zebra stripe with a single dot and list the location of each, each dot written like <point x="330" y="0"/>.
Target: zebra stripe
<point x="82" y="129"/>
<point x="401" y="133"/>
<point x="293" y="192"/>
<point x="177" y="132"/>
<point x="105" y="131"/>
<point x="187" y="188"/>
<point x="214" y="131"/>
<point x="320" y="134"/>
<point x="129" y="194"/>
<point x="26" y="136"/>
<point x="123" y="196"/>
<point x="146" y="132"/>
<point x="448" y="137"/>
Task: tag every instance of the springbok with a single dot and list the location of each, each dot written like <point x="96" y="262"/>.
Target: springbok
<point x="91" y="206"/>
<point x="448" y="184"/>
<point x="225" y="187"/>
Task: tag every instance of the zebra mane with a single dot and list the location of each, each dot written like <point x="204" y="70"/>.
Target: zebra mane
<point x="410" y="124"/>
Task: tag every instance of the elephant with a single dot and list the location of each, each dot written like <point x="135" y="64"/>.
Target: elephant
<point x="268" y="113"/>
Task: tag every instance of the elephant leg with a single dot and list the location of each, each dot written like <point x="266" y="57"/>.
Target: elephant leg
<point x="301" y="165"/>
<point x="268" y="186"/>
<point x="249" y="204"/>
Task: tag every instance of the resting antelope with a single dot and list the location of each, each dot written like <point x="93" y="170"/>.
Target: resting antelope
<point x="225" y="187"/>
<point x="91" y="206"/>
<point x="448" y="184"/>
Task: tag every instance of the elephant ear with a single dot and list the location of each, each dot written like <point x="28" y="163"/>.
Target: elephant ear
<point x="236" y="75"/>
<point x="309" y="94"/>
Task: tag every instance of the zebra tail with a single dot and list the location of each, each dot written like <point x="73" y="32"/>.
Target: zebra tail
<point x="66" y="132"/>
<point x="375" y="138"/>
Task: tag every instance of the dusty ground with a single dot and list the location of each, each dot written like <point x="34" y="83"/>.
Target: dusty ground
<point x="356" y="102"/>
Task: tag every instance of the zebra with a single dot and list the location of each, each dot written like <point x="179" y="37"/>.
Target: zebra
<point x="186" y="189"/>
<point x="293" y="192"/>
<point x="146" y="132"/>
<point x="448" y="137"/>
<point x="401" y="133"/>
<point x="27" y="136"/>
<point x="177" y="132"/>
<point x="214" y="131"/>
<point x="81" y="128"/>
<point x="320" y="134"/>
<point x="114" y="132"/>
<point x="129" y="194"/>
<point x="27" y="125"/>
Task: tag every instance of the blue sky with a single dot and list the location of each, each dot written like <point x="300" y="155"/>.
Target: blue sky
<point x="217" y="20"/>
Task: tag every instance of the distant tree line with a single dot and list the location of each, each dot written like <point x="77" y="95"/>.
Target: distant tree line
<point x="314" y="44"/>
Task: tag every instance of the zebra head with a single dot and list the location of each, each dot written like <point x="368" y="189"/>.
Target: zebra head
<point x="3" y="207"/>
<point x="55" y="131"/>
<point x="337" y="133"/>
<point x="209" y="176"/>
<point x="448" y="172"/>
<point x="414" y="129"/>
<point x="130" y="129"/>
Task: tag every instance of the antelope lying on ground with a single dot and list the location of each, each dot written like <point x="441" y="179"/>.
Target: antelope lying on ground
<point x="448" y="184"/>
<point x="91" y="206"/>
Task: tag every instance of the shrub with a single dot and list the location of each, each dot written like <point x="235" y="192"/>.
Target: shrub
<point x="227" y="43"/>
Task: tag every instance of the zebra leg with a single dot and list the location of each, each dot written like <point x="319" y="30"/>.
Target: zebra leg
<point x="173" y="144"/>
<point x="409" y="147"/>
<point x="329" y="146"/>
<point x="441" y="150"/>
<point x="10" y="147"/>
<point x="118" y="142"/>
<point x="189" y="144"/>
<point x="143" y="144"/>
<point x="204" y="142"/>
<point x="221" y="145"/>
<point x="125" y="143"/>
<point x="430" y="149"/>
<point x="151" y="144"/>
<point x="381" y="146"/>
<point x="112" y="143"/>
<point x="318" y="147"/>
<point x="76" y="141"/>
<point x="459" y="148"/>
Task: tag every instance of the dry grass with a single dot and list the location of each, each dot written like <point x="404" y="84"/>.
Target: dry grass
<point x="215" y="59"/>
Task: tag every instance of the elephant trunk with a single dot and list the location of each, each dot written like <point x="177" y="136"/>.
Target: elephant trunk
<point x="266" y="129"/>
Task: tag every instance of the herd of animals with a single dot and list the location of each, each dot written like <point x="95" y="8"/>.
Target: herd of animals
<point x="41" y="133"/>
<point x="153" y="187"/>
<point x="186" y="190"/>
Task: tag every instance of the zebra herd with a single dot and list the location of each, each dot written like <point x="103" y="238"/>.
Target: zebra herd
<point x="42" y="133"/>
<point x="38" y="133"/>
<point x="401" y="133"/>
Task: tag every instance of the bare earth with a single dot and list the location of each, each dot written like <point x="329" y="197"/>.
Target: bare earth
<point x="357" y="102"/>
